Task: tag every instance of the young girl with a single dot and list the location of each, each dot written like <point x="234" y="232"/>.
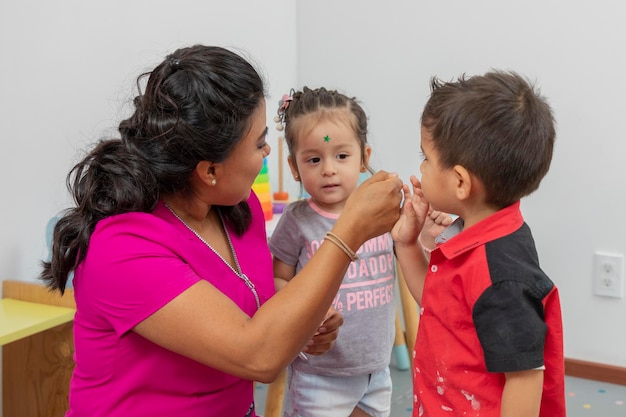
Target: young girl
<point x="326" y="134"/>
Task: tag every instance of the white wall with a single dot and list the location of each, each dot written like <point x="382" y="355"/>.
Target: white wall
<point x="67" y="74"/>
<point x="385" y="53"/>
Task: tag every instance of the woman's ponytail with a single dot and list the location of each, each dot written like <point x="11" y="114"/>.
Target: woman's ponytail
<point x="110" y="180"/>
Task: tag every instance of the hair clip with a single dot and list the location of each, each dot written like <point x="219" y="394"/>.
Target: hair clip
<point x="283" y="104"/>
<point x="174" y="62"/>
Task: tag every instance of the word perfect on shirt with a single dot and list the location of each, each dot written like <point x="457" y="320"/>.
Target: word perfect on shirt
<point x="369" y="281"/>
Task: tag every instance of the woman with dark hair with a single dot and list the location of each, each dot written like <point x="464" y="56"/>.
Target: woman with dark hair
<point x="176" y="312"/>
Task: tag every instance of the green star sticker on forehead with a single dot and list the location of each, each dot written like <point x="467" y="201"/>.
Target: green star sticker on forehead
<point x="326" y="138"/>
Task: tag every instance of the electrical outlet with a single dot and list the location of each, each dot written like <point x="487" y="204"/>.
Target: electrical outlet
<point x="608" y="274"/>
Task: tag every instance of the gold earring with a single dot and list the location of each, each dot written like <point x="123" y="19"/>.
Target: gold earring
<point x="296" y="177"/>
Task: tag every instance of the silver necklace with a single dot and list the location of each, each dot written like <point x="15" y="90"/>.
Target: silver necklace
<point x="237" y="271"/>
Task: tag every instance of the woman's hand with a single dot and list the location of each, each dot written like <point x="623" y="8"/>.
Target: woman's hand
<point x="326" y="334"/>
<point x="371" y="210"/>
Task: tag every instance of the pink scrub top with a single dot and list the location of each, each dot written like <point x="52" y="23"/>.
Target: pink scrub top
<point x="136" y="263"/>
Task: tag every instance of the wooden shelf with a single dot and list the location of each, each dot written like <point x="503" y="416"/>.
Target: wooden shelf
<point x="20" y="319"/>
<point x="37" y="349"/>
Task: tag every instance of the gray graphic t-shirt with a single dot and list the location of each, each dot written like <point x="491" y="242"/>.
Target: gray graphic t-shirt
<point x="365" y="299"/>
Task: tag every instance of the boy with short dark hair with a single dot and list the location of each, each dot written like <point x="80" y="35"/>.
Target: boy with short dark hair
<point x="490" y="339"/>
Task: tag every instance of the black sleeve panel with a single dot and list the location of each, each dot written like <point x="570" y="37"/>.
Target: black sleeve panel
<point x="509" y="315"/>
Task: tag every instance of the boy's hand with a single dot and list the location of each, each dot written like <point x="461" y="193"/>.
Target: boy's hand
<point x="413" y="216"/>
<point x="436" y="222"/>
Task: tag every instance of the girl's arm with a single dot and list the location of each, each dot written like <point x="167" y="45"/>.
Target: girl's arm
<point x="282" y="273"/>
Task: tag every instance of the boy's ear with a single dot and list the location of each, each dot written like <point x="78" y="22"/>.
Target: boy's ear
<point x="463" y="182"/>
<point x="293" y="168"/>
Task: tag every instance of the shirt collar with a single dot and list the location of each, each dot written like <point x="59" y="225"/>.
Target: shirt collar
<point x="454" y="240"/>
